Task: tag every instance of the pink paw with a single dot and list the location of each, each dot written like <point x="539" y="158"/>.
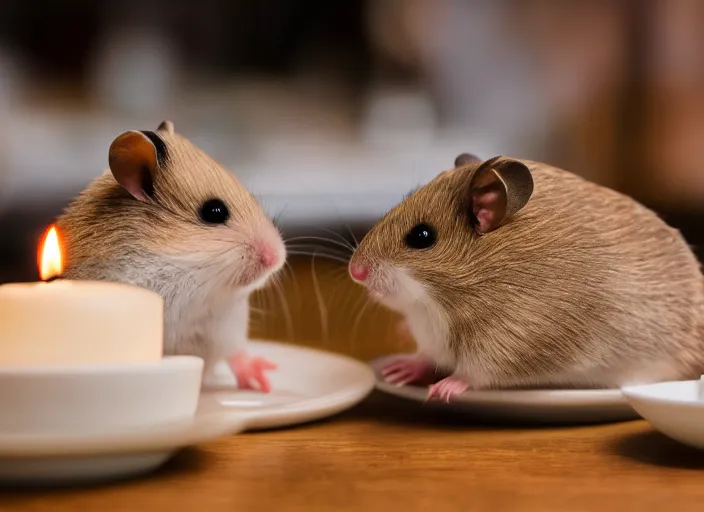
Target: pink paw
<point x="447" y="388"/>
<point x="406" y="369"/>
<point x="247" y="369"/>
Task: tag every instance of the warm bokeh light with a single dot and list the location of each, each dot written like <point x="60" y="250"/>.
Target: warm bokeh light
<point x="50" y="261"/>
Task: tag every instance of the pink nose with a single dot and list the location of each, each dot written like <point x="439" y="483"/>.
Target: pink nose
<point x="267" y="255"/>
<point x="359" y="271"/>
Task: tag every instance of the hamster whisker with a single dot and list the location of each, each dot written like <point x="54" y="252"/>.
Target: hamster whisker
<point x="337" y="276"/>
<point x="340" y="276"/>
<point x="328" y="250"/>
<point x="355" y="325"/>
<point x="263" y="300"/>
<point x="276" y="219"/>
<point x="178" y="268"/>
<point x="343" y="239"/>
<point x="286" y="311"/>
<point x="324" y="327"/>
<point x="351" y="304"/>
<point x="339" y="216"/>
<point x="288" y="274"/>
<point x="337" y="243"/>
<point x="337" y="246"/>
<point x="214" y="278"/>
<point x="213" y="260"/>
<point x="332" y="256"/>
<point x="318" y="254"/>
<point x="230" y="243"/>
<point x="334" y="276"/>
<point x="354" y="238"/>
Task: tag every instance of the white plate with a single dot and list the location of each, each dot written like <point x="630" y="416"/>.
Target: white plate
<point x="568" y="406"/>
<point x="676" y="409"/>
<point x="307" y="385"/>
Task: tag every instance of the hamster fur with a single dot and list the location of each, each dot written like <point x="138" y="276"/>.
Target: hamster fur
<point x="167" y="217"/>
<point x="536" y="278"/>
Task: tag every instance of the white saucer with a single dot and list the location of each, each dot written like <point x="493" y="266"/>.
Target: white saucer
<point x="568" y="406"/>
<point x="676" y="409"/>
<point x="68" y="459"/>
<point x="307" y="385"/>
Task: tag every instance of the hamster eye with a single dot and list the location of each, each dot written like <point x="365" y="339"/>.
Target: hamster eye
<point x="421" y="236"/>
<point x="214" y="211"/>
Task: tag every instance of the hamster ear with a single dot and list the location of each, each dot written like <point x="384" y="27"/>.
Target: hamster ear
<point x="466" y="159"/>
<point x="500" y="188"/>
<point x="166" y="126"/>
<point x="133" y="162"/>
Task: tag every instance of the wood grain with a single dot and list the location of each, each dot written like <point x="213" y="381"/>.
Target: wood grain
<point x="387" y="454"/>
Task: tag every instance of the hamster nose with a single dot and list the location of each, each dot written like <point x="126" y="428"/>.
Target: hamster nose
<point x="359" y="271"/>
<point x="267" y="255"/>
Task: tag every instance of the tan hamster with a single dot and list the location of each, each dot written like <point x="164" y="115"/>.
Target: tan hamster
<point x="167" y="217"/>
<point x="512" y="273"/>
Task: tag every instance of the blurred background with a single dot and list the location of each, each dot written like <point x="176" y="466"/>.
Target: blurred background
<point x="331" y="111"/>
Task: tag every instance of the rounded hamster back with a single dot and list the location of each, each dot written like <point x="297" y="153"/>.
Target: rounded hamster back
<point x="594" y="287"/>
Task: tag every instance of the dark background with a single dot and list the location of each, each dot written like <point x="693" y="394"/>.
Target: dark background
<point x="303" y="98"/>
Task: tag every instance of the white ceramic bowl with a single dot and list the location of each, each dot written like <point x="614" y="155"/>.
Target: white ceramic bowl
<point x="98" y="399"/>
<point x="676" y="409"/>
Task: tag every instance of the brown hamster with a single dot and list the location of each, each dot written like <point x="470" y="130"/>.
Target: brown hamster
<point x="167" y="217"/>
<point x="512" y="273"/>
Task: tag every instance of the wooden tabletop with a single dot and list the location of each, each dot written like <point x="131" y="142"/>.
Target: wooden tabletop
<point x="391" y="455"/>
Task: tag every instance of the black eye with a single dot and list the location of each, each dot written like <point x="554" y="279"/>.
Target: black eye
<point x="421" y="236"/>
<point x="214" y="211"/>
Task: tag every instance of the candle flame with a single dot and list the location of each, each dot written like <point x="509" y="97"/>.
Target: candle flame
<point x="51" y="263"/>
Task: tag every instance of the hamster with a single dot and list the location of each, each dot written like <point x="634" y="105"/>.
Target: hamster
<point x="515" y="274"/>
<point x="167" y="217"/>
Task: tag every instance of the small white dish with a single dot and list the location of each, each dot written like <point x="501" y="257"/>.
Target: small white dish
<point x="676" y="409"/>
<point x="98" y="398"/>
<point x="307" y="385"/>
<point x="558" y="406"/>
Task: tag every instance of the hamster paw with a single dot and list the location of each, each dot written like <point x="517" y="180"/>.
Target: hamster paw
<point x="447" y="388"/>
<point x="406" y="369"/>
<point x="247" y="369"/>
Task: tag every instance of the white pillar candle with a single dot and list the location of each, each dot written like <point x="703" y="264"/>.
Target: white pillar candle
<point x="77" y="322"/>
